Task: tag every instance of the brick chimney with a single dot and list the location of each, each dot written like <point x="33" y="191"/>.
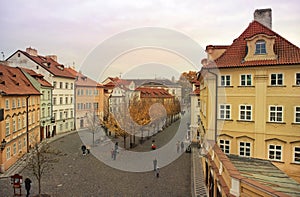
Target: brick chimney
<point x="31" y="51"/>
<point x="264" y="16"/>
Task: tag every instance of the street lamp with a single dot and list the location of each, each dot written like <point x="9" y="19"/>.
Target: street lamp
<point x="3" y="144"/>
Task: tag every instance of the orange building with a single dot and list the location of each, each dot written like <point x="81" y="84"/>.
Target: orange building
<point x="20" y="115"/>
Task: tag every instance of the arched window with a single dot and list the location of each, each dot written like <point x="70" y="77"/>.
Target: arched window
<point x="260" y="47"/>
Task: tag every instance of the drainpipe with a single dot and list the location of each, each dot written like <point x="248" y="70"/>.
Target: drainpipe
<point x="216" y="105"/>
<point x="27" y="122"/>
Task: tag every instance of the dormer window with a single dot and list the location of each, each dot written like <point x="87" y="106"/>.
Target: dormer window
<point x="260" y="46"/>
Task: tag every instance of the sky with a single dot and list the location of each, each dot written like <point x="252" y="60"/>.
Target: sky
<point x="73" y="29"/>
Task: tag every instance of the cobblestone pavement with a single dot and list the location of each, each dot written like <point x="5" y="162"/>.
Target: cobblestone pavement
<point x="78" y="175"/>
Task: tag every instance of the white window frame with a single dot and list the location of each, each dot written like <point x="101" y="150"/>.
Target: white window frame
<point x="260" y="43"/>
<point x="276" y="113"/>
<point x="276" y="151"/>
<point x="245" y="111"/>
<point x="294" y="155"/>
<point x="225" y="147"/>
<point x="15" y="148"/>
<point x="246" y="149"/>
<point x="7" y="127"/>
<point x="246" y="80"/>
<point x="223" y="82"/>
<point x="276" y="79"/>
<point x="297" y="114"/>
<point x="7" y="104"/>
<point x="225" y="109"/>
<point x="8" y="155"/>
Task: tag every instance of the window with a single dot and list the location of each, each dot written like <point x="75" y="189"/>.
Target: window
<point x="60" y="85"/>
<point x="19" y="103"/>
<point x="6" y="104"/>
<point x="7" y="128"/>
<point x="71" y="86"/>
<point x="19" y="123"/>
<point x="23" y="102"/>
<point x="48" y="95"/>
<point x="245" y="112"/>
<point x="224" y="111"/>
<point x="71" y="100"/>
<point x="297" y="114"/>
<point x="43" y="95"/>
<point x="66" y="113"/>
<point x="61" y="100"/>
<point x="245" y="148"/>
<point x="71" y="113"/>
<point x="8" y="153"/>
<point x="275" y="152"/>
<point x="60" y="115"/>
<point x="14" y="148"/>
<point x="246" y="80"/>
<point x="225" y="146"/>
<point x="225" y="80"/>
<point x="297" y="154"/>
<point x="81" y="92"/>
<point x="14" y="125"/>
<point x="13" y="104"/>
<point x="276" y="114"/>
<point x="54" y="84"/>
<point x="297" y="78"/>
<point x="66" y="99"/>
<point x="78" y="92"/>
<point x="67" y="85"/>
<point x="66" y="125"/>
<point x="54" y="101"/>
<point x="96" y="105"/>
<point x="19" y="145"/>
<point x="277" y="79"/>
<point x="260" y="47"/>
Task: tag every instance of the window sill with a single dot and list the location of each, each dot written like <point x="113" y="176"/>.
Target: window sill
<point x="276" y="86"/>
<point x="295" y="163"/>
<point x="245" y="121"/>
<point x="225" y="86"/>
<point x="225" y="119"/>
<point x="245" y="86"/>
<point x="276" y="161"/>
<point x="296" y="86"/>
<point x="295" y="123"/>
<point x="276" y="122"/>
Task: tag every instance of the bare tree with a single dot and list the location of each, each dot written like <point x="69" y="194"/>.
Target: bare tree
<point x="40" y="160"/>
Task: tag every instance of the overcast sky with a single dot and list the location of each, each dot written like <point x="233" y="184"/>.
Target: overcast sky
<point x="72" y="29"/>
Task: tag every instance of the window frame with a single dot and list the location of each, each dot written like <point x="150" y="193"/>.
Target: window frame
<point x="245" y="80"/>
<point x="297" y="112"/>
<point x="297" y="79"/>
<point x="276" y="79"/>
<point x="246" y="110"/>
<point x="260" y="47"/>
<point x="224" y="82"/>
<point x="294" y="155"/>
<point x="225" y="111"/>
<point x="276" y="113"/>
<point x="223" y="146"/>
<point x="245" y="148"/>
<point x="275" y="152"/>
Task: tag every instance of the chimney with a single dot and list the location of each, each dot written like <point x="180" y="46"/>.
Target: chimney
<point x="31" y="51"/>
<point x="264" y="16"/>
<point x="53" y="57"/>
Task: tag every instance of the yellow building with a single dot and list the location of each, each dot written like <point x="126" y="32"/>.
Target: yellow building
<point x="255" y="111"/>
<point x="19" y="122"/>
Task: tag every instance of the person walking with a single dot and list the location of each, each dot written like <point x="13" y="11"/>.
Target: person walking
<point x="182" y="146"/>
<point x="27" y="186"/>
<point x="157" y="172"/>
<point x="154" y="164"/>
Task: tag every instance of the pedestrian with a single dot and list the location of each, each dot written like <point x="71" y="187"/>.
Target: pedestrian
<point x="83" y="148"/>
<point x="154" y="164"/>
<point x="178" y="146"/>
<point x="117" y="147"/>
<point x="157" y="172"/>
<point x="27" y="186"/>
<point x="182" y="146"/>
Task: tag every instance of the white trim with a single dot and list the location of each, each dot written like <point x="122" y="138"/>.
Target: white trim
<point x="276" y="106"/>
<point x="246" y="79"/>
<point x="245" y="112"/>
<point x="294" y="152"/>
<point x="276" y="79"/>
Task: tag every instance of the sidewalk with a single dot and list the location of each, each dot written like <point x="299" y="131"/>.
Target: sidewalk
<point x="19" y="166"/>
<point x="197" y="182"/>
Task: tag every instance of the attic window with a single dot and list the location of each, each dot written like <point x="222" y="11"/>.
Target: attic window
<point x="260" y="47"/>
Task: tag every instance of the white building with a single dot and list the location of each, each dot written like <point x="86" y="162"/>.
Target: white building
<point x="61" y="80"/>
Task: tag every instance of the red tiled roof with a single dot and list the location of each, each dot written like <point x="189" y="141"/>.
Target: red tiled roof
<point x="49" y="64"/>
<point x="153" y="92"/>
<point x="286" y="52"/>
<point x="14" y="82"/>
<point x="82" y="80"/>
<point x="38" y="77"/>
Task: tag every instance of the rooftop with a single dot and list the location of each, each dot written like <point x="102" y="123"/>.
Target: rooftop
<point x="266" y="173"/>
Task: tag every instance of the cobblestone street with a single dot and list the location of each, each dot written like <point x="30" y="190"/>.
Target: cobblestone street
<point x="78" y="175"/>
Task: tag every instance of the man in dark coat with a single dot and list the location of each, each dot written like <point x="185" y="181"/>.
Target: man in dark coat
<point x="27" y="186"/>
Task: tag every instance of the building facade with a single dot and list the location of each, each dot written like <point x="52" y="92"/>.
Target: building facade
<point x="63" y="82"/>
<point x="249" y="97"/>
<point x="20" y="122"/>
